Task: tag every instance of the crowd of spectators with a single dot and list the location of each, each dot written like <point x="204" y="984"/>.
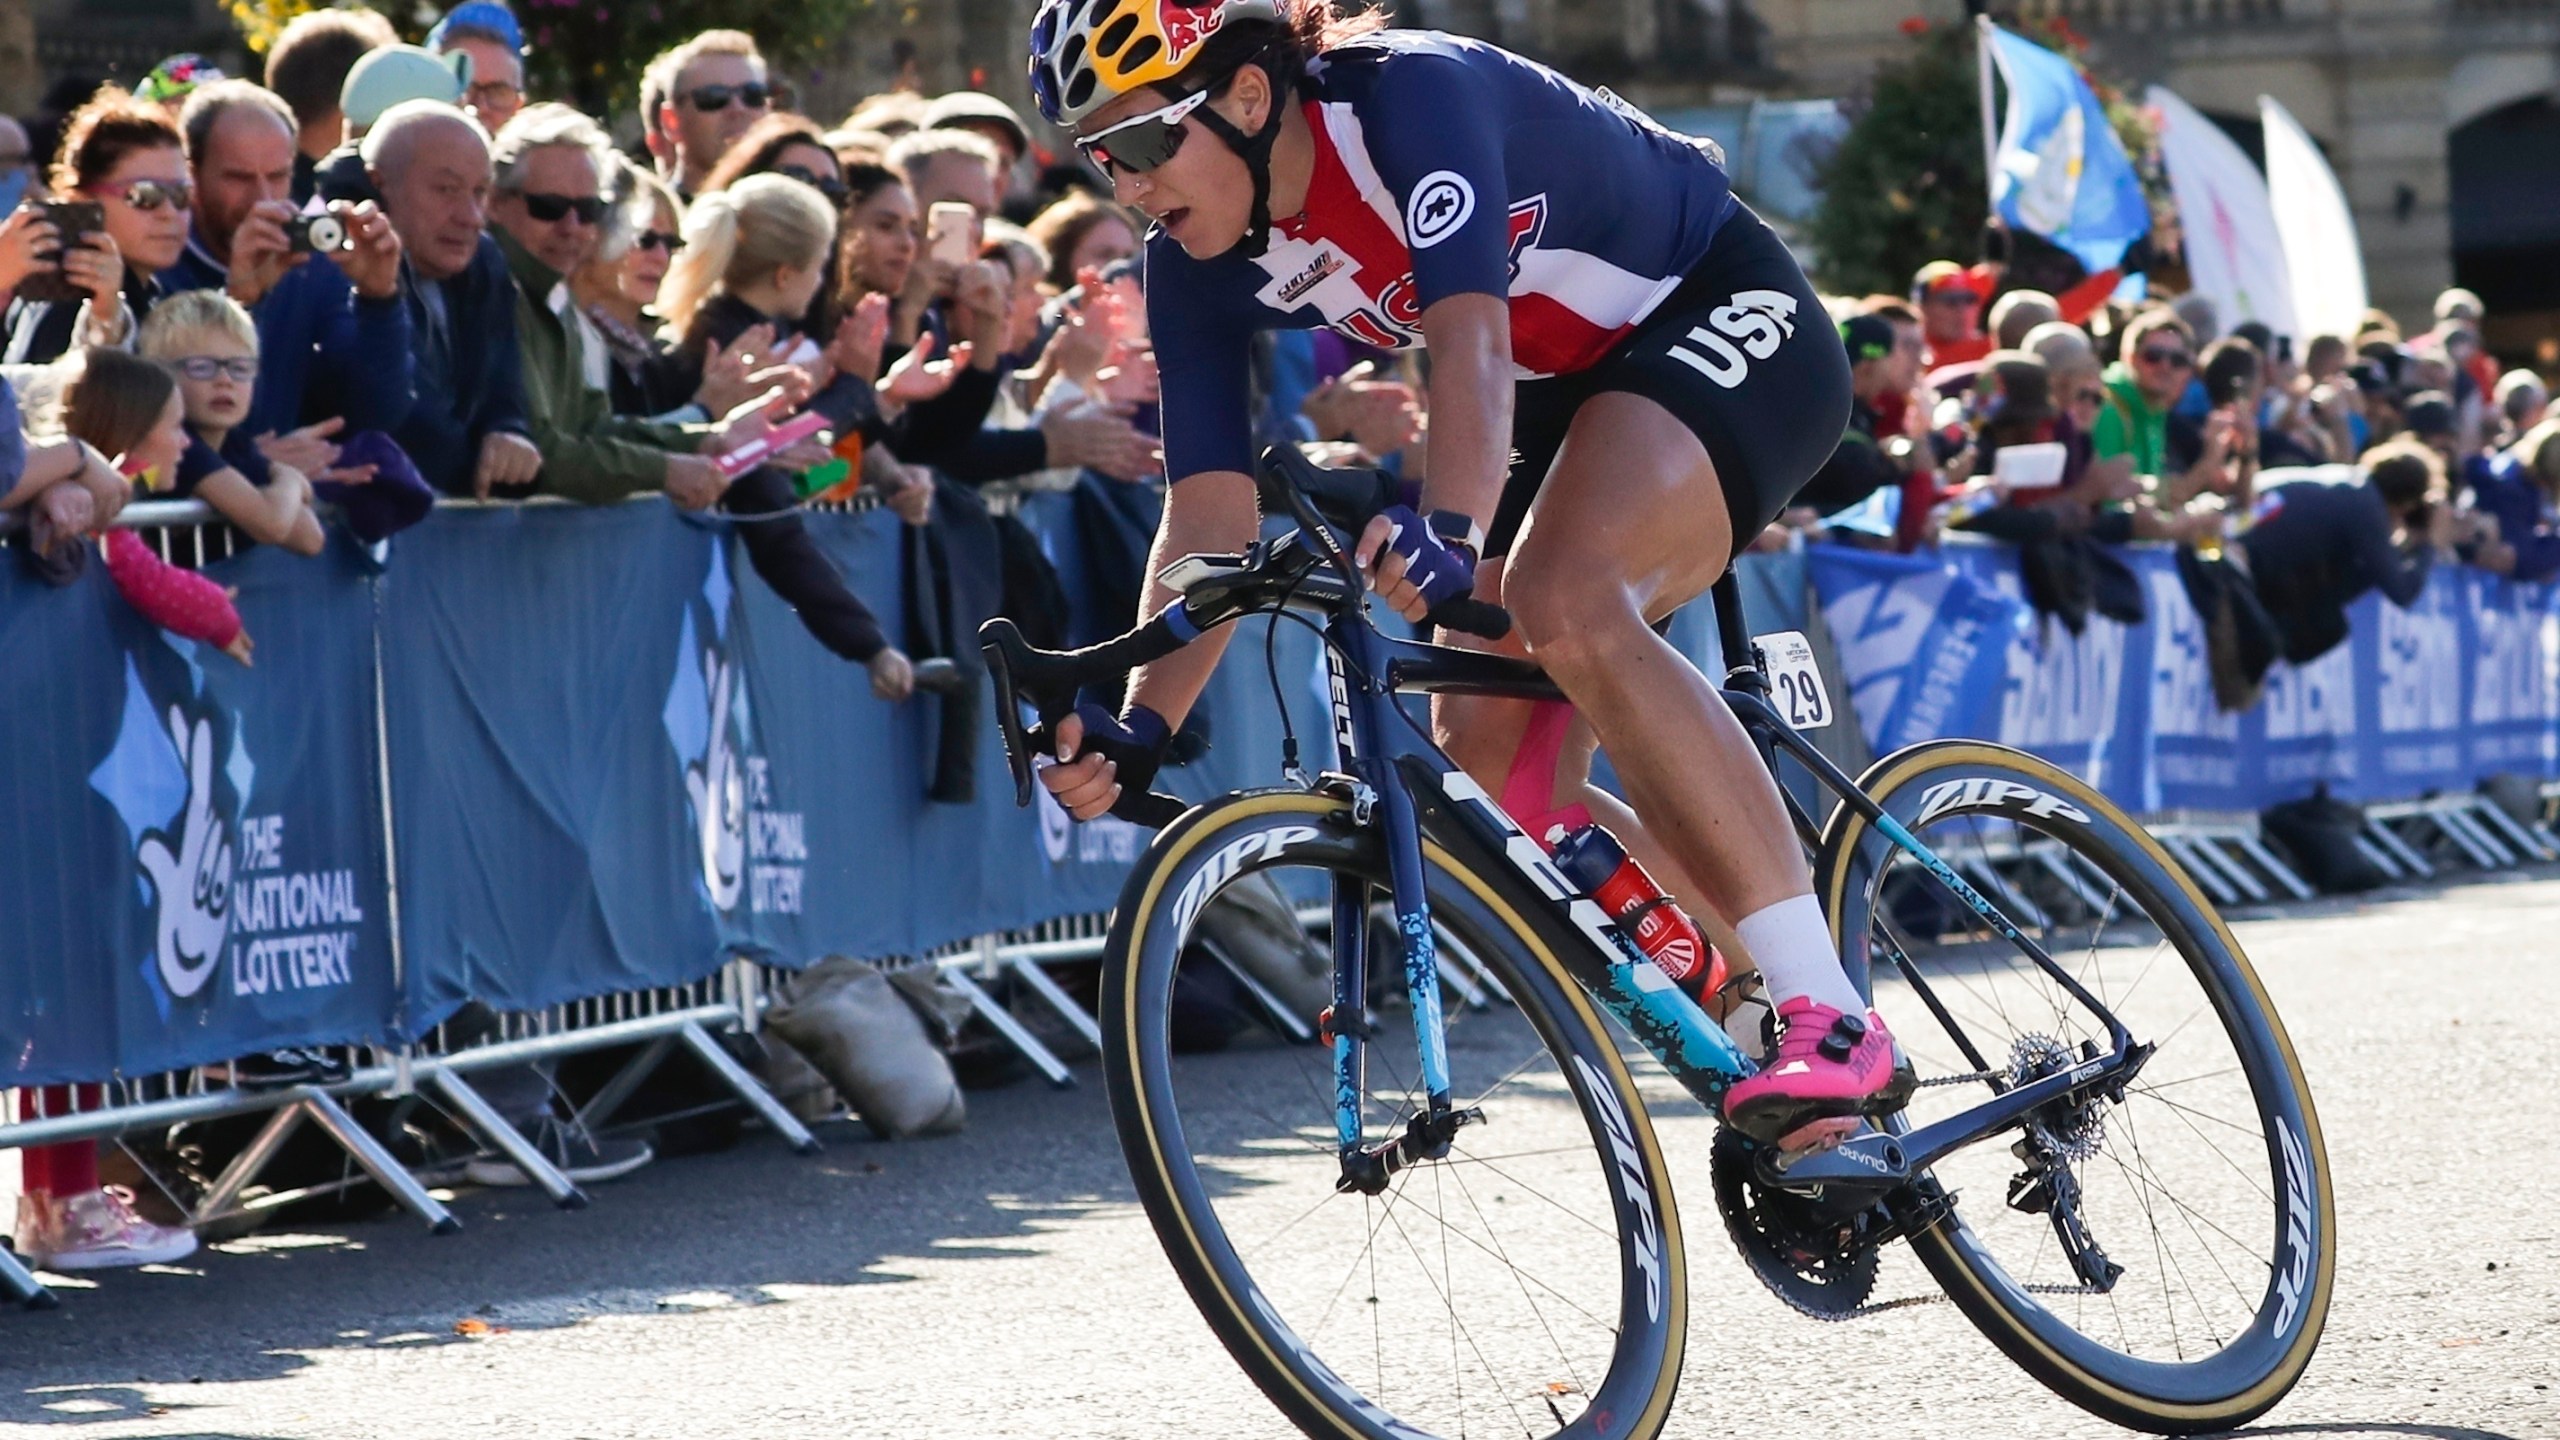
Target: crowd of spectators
<point x="388" y="275"/>
<point x="2293" y="482"/>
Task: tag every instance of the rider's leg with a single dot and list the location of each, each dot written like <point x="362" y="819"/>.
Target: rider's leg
<point x="1490" y="739"/>
<point x="1630" y="526"/>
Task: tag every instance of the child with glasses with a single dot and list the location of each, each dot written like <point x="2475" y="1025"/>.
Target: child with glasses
<point x="210" y="346"/>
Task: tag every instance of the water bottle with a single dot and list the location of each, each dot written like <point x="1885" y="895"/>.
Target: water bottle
<point x="1600" y="867"/>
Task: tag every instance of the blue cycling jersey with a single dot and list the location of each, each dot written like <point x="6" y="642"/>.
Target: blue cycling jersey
<point x="1444" y="166"/>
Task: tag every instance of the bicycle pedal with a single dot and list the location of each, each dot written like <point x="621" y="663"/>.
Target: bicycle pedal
<point x="1817" y="1137"/>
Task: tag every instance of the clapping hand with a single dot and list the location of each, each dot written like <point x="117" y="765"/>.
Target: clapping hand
<point x="918" y="377"/>
<point x="860" y="339"/>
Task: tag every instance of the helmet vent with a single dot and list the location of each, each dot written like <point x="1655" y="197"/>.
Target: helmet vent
<point x="1107" y="44"/>
<point x="1146" y="49"/>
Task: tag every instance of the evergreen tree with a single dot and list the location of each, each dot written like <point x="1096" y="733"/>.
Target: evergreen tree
<point x="1906" y="184"/>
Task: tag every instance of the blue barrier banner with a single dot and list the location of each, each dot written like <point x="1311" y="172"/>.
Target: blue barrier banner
<point x="618" y="757"/>
<point x="2463" y="684"/>
<point x="196" y="870"/>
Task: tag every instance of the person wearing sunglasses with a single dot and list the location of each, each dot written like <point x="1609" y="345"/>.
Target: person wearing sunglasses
<point x="125" y="156"/>
<point x="1415" y="189"/>
<point x="697" y="99"/>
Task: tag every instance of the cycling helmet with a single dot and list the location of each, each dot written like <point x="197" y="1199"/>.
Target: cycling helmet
<point x="1086" y="53"/>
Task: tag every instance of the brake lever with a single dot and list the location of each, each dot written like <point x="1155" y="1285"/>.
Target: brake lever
<point x="1000" y="641"/>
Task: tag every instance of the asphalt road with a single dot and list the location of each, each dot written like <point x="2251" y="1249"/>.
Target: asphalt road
<point x="1004" y="1283"/>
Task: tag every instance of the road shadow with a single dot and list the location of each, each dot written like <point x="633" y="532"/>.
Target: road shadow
<point x="685" y="1234"/>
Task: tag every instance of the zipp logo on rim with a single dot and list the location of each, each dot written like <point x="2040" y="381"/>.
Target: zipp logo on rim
<point x="1222" y="867"/>
<point x="1622" y="1141"/>
<point x="1983" y="792"/>
<point x="2297" y="1229"/>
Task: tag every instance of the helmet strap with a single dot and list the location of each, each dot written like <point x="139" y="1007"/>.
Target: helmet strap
<point x="1255" y="151"/>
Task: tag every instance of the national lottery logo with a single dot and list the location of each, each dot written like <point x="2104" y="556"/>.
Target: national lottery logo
<point x="752" y="853"/>
<point x="228" y="912"/>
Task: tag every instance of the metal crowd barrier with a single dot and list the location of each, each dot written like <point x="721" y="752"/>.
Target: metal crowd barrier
<point x="2226" y="853"/>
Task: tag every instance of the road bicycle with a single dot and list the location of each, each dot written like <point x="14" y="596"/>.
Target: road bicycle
<point x="1462" y="1223"/>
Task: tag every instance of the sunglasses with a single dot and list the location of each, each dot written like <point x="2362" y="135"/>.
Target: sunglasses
<point x="666" y="240"/>
<point x="712" y="99"/>
<point x="149" y="195"/>
<point x="1142" y="142"/>
<point x="2174" y="359"/>
<point x="826" y="185"/>
<point x="2090" y="397"/>
<point x="243" y="368"/>
<point x="493" y="92"/>
<point x="552" y="208"/>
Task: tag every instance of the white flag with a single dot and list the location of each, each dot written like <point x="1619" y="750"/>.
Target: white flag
<point x="2319" y="232"/>
<point x="2234" y="255"/>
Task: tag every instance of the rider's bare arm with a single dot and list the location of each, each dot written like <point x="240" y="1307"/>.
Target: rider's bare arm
<point x="1469" y="337"/>
<point x="1210" y="513"/>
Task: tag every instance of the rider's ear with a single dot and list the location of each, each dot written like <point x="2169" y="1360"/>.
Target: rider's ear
<point x="1248" y="99"/>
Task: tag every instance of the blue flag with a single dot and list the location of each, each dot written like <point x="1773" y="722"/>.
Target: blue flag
<point x="2060" y="171"/>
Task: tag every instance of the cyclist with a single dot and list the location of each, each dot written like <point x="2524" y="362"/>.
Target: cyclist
<point x="1630" y="376"/>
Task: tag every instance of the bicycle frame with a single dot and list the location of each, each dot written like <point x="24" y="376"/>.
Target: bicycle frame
<point x="1402" y="783"/>
<point x="1399" y="781"/>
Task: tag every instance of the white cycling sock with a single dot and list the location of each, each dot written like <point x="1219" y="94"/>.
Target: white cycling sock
<point x="1791" y="943"/>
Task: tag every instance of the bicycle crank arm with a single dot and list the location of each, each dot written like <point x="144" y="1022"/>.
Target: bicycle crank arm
<point x="1880" y="1161"/>
<point x="1425" y="1137"/>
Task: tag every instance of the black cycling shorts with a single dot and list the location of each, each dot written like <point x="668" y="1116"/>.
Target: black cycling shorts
<point x="1743" y="353"/>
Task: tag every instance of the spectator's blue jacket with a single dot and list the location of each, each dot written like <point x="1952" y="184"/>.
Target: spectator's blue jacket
<point x="470" y="385"/>
<point x="323" y="350"/>
<point x="2504" y="487"/>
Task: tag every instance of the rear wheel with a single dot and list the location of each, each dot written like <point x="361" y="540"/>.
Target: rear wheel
<point x="2162" y="1257"/>
<point x="1529" y="1283"/>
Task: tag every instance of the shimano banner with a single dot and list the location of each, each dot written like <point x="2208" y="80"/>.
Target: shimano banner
<point x="196" y="870"/>
<point x="2461" y="685"/>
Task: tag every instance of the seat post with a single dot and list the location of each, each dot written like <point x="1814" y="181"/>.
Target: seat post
<point x="1733" y="636"/>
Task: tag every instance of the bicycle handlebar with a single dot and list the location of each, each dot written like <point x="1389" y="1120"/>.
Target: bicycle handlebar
<point x="1319" y="499"/>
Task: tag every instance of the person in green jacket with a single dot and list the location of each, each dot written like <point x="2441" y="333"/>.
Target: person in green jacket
<point x="547" y="210"/>
<point x="2142" y="388"/>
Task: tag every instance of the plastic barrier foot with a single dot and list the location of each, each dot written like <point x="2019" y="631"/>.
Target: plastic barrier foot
<point x="748" y="1089"/>
<point x="507" y="1140"/>
<point x="21" y="1285"/>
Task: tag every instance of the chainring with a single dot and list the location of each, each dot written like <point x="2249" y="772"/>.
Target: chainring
<point x="1818" y="1267"/>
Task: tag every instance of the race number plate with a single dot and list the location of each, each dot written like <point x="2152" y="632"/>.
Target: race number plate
<point x="1795" y="681"/>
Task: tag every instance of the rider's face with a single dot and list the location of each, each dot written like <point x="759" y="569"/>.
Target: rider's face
<point x="1203" y="196"/>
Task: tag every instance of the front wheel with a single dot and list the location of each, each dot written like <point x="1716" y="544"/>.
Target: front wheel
<point x="2161" y="1257"/>
<point x="1530" y="1282"/>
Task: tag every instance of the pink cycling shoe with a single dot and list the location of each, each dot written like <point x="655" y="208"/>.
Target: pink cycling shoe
<point x="1832" y="1071"/>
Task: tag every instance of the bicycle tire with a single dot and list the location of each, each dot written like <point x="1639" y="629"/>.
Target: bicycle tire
<point x="2246" y="1376"/>
<point x="1227" y="839"/>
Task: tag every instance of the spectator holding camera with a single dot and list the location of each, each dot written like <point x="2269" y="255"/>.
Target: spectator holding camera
<point x="2316" y="547"/>
<point x="467" y="432"/>
<point x="123" y="156"/>
<point x="323" y="289"/>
